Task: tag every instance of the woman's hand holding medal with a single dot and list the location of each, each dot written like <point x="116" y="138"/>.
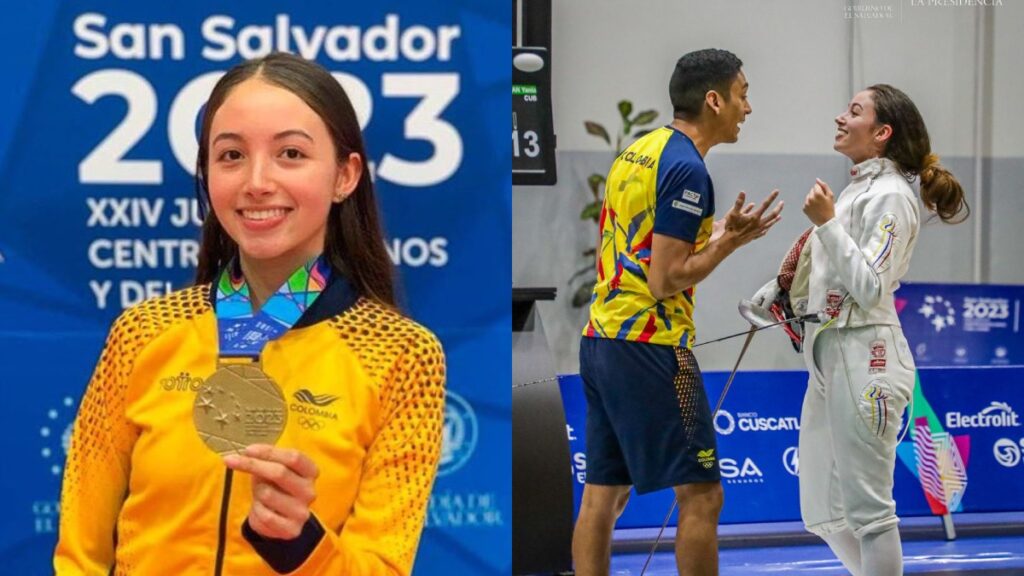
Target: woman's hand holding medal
<point x="283" y="487"/>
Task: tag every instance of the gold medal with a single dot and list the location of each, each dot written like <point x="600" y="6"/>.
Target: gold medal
<point x="237" y="406"/>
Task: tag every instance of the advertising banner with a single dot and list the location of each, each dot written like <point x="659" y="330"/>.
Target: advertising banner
<point x="976" y="410"/>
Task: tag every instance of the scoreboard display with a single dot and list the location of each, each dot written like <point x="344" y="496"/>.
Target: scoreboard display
<point x="533" y="138"/>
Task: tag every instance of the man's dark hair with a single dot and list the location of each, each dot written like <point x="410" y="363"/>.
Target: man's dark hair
<point x="698" y="72"/>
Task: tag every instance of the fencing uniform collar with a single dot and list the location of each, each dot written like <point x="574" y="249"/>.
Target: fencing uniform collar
<point x="873" y="167"/>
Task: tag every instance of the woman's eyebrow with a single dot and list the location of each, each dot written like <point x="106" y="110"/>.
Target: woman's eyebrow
<point x="294" y="132"/>
<point x="225" y="136"/>
<point x="278" y="136"/>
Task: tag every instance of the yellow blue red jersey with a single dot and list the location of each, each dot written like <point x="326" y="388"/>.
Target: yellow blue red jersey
<point x="658" y="185"/>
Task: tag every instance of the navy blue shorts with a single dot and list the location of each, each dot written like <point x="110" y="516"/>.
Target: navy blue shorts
<point x="648" y="419"/>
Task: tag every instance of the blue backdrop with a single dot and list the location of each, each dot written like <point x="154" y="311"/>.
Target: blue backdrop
<point x="962" y="324"/>
<point x="977" y="405"/>
<point x="98" y="120"/>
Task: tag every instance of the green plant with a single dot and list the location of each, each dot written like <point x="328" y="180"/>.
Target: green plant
<point x="587" y="274"/>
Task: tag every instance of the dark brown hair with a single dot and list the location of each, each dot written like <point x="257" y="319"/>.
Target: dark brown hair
<point x="910" y="148"/>
<point x="354" y="243"/>
<point x="695" y="74"/>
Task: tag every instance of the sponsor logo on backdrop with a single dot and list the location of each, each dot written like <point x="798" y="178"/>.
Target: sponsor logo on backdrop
<point x="475" y="510"/>
<point x="1000" y="355"/>
<point x="1007" y="452"/>
<point x="726" y="423"/>
<point x="579" y="467"/>
<point x="995" y="415"/>
<point x="791" y="460"/>
<point x="736" y="472"/>
<point x="45" y="516"/>
<point x="579" y="459"/>
<point x="56" y="435"/>
<point x="459" y="435"/>
<point x="921" y="352"/>
<point x="960" y="355"/>
<point x="938" y="311"/>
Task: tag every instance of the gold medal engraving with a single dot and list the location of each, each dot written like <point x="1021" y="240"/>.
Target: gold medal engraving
<point x="237" y="406"/>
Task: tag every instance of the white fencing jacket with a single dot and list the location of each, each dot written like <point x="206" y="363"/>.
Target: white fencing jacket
<point x="859" y="256"/>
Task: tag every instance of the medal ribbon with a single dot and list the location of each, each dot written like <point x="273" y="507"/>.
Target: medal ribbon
<point x="244" y="334"/>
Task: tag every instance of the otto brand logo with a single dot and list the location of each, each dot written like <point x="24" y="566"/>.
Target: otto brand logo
<point x="183" y="382"/>
<point x="308" y="397"/>
<point x="938" y="311"/>
<point x="736" y="473"/>
<point x="726" y="423"/>
<point x="1007" y="451"/>
<point x="459" y="436"/>
<point x="995" y="415"/>
<point x="706" y="457"/>
<point x="791" y="460"/>
<point x="313" y="405"/>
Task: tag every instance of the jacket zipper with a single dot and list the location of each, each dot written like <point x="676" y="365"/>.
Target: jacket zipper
<point x="222" y="531"/>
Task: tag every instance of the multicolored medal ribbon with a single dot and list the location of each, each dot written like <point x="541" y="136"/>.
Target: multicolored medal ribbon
<point x="240" y="404"/>
<point x="243" y="333"/>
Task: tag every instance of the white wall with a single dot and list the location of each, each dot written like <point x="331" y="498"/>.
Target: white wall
<point x="796" y="55"/>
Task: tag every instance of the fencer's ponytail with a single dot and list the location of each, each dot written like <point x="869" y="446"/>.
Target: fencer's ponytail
<point x="910" y="148"/>
<point x="941" y="192"/>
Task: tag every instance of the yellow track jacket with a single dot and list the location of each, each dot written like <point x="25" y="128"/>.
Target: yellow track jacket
<point x="144" y="496"/>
